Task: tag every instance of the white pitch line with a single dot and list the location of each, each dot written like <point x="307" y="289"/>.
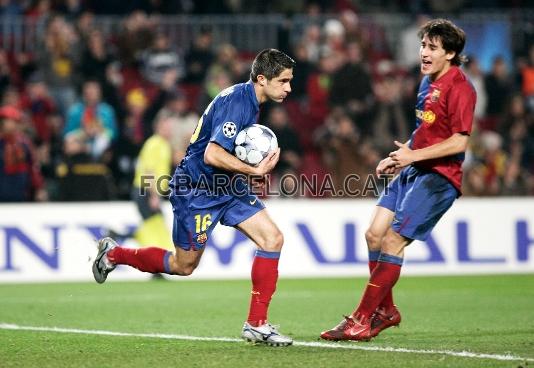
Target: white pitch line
<point x="349" y="346"/>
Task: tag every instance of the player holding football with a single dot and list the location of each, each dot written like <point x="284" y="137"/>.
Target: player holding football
<point x="198" y="209"/>
<point x="430" y="180"/>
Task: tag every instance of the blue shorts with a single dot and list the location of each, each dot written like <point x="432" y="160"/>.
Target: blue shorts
<point x="419" y="198"/>
<point x="196" y="213"/>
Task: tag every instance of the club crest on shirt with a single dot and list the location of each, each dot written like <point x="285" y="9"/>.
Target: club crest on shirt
<point x="435" y="95"/>
<point x="202" y="238"/>
<point x="229" y="129"/>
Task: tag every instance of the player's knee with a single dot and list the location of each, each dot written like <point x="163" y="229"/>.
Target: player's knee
<point x="274" y="242"/>
<point x="373" y="239"/>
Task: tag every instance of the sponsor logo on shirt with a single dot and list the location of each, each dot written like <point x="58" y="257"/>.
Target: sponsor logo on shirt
<point x="427" y="116"/>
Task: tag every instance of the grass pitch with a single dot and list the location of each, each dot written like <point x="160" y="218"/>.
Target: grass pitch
<point x="489" y="316"/>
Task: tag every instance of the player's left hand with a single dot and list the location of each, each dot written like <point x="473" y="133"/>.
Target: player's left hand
<point x="268" y="163"/>
<point x="404" y="156"/>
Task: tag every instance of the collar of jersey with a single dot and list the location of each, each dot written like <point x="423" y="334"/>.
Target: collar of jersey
<point x="252" y="94"/>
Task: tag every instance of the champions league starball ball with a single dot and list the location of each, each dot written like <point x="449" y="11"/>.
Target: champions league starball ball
<point x="254" y="143"/>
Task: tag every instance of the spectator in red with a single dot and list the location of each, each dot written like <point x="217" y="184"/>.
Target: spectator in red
<point x="20" y="177"/>
<point x="38" y="103"/>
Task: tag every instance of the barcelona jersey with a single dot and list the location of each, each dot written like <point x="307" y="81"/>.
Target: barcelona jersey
<point x="444" y="107"/>
<point x="234" y="109"/>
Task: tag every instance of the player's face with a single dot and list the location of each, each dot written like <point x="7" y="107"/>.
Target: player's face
<point x="435" y="61"/>
<point x="279" y="87"/>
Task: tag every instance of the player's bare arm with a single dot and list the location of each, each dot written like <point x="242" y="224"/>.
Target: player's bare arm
<point x="218" y="157"/>
<point x="405" y="156"/>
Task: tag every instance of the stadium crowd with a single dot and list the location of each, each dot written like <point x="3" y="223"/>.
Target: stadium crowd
<point x="76" y="111"/>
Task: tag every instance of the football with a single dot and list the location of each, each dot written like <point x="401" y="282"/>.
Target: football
<point x="254" y="143"/>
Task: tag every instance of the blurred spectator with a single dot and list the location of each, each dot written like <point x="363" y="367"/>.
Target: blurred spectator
<point x="136" y="35"/>
<point x="10" y="8"/>
<point x="20" y="177"/>
<point x="225" y="60"/>
<point x="70" y="8"/>
<point x="40" y="106"/>
<point x="5" y="72"/>
<point x="351" y="88"/>
<point x="517" y="130"/>
<point x="334" y="36"/>
<point x="40" y="11"/>
<point x="80" y="178"/>
<point x="93" y="119"/>
<point x="338" y="140"/>
<point x="484" y="177"/>
<point x="160" y="58"/>
<point x="183" y="124"/>
<point x="312" y="42"/>
<point x="319" y="87"/>
<point x="96" y="57"/>
<point x="136" y="104"/>
<point x="410" y="43"/>
<point x="527" y="79"/>
<point x="498" y="87"/>
<point x="199" y="57"/>
<point x="476" y="76"/>
<point x="216" y="81"/>
<point x="389" y="123"/>
<point x="288" y="141"/>
<point x="298" y="84"/>
<point x="58" y="60"/>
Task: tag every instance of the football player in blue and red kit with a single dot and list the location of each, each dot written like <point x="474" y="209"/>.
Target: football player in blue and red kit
<point x="428" y="183"/>
<point x="203" y="193"/>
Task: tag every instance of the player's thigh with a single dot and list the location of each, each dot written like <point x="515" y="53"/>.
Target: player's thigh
<point x="262" y="230"/>
<point x="429" y="197"/>
<point x="393" y="243"/>
<point x="380" y="223"/>
<point x="194" y="220"/>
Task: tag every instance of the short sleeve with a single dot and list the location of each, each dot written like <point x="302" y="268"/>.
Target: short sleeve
<point x="461" y="108"/>
<point x="228" y="120"/>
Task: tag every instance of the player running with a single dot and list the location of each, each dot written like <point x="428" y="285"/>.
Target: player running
<point x="197" y="209"/>
<point x="430" y="180"/>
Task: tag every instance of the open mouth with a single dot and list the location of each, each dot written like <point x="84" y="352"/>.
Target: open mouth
<point x="426" y="63"/>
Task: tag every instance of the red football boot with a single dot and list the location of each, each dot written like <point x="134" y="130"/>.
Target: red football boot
<point x="383" y="319"/>
<point x="350" y="328"/>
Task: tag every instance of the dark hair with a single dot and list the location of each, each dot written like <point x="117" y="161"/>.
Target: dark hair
<point x="270" y="63"/>
<point x="452" y="37"/>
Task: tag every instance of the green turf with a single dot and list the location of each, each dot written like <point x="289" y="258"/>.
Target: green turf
<point x="482" y="314"/>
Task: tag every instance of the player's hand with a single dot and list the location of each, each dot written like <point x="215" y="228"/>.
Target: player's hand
<point x="402" y="157"/>
<point x="268" y="163"/>
<point x="386" y="167"/>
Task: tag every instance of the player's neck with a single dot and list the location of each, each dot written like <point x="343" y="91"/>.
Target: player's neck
<point x="441" y="73"/>
<point x="260" y="95"/>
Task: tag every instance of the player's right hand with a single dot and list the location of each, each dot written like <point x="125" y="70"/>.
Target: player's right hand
<point x="268" y="163"/>
<point x="386" y="166"/>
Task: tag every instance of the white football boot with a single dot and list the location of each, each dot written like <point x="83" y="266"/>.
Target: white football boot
<point x="265" y="334"/>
